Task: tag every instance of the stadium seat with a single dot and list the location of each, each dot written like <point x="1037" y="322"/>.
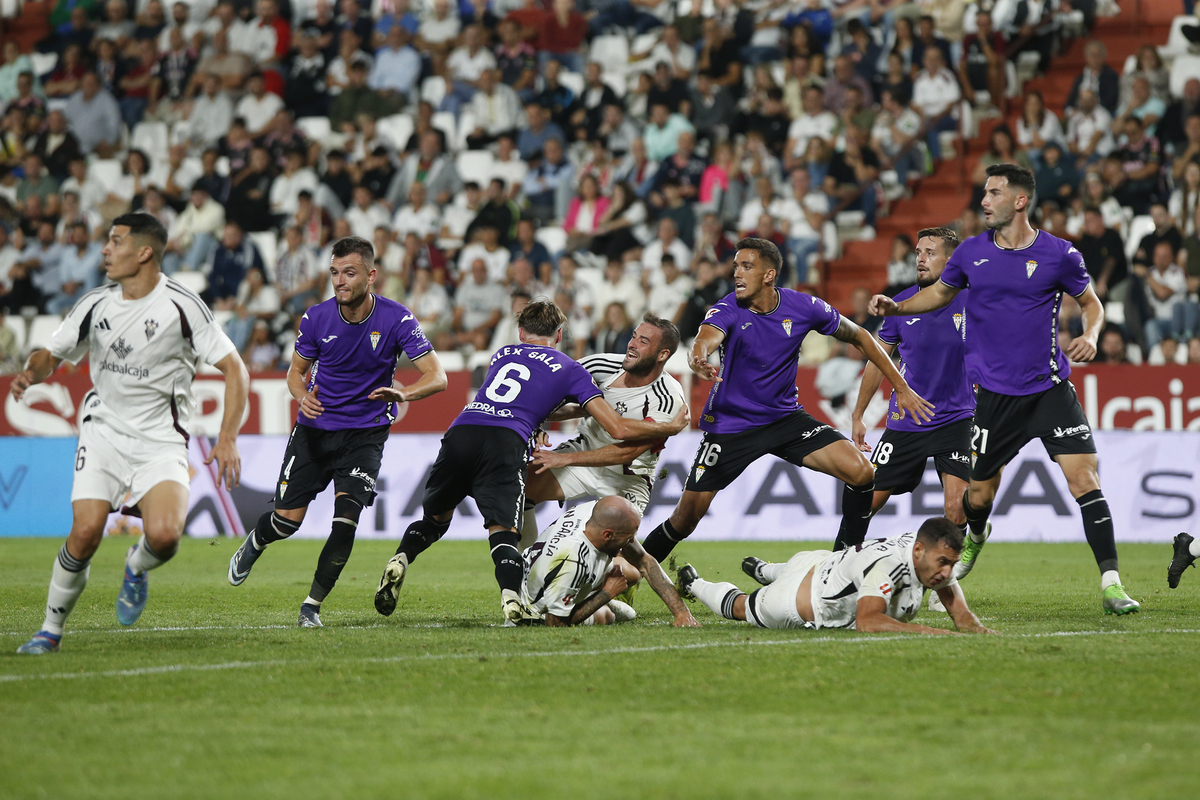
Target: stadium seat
<point x="267" y="246"/>
<point x="572" y="80"/>
<point x="466" y="124"/>
<point x="105" y="171"/>
<point x="223" y="166"/>
<point x="433" y="90"/>
<point x="40" y="331"/>
<point x="1138" y="228"/>
<point x="1183" y="68"/>
<point x="16" y="324"/>
<point x="611" y="53"/>
<point x="475" y="165"/>
<point x="396" y="129"/>
<point x="512" y="172"/>
<point x="316" y="128"/>
<point x="43" y="63"/>
<point x="554" y="239"/>
<point x="196" y="281"/>
<point x="152" y="139"/>
<point x="1177" y="44"/>
<point x="452" y="360"/>
<point x="445" y="122"/>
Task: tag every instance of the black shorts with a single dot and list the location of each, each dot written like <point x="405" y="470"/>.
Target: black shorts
<point x="1005" y="423"/>
<point x="486" y="463"/>
<point x="350" y="458"/>
<point x="722" y="457"/>
<point x="900" y="456"/>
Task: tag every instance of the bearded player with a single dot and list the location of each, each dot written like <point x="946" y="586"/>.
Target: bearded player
<point x="752" y="409"/>
<point x="1017" y="277"/>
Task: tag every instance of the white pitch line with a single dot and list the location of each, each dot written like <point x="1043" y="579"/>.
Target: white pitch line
<point x="177" y="668"/>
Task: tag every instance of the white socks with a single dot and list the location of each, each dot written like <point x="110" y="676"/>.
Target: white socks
<point x="771" y="572"/>
<point x="143" y="559"/>
<point x="1108" y="578"/>
<point x="1194" y="548"/>
<point x="309" y="601"/>
<point x="718" y="597"/>
<point x="67" y="582"/>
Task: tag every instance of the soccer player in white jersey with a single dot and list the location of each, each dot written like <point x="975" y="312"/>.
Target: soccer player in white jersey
<point x="143" y="336"/>
<point x="874" y="587"/>
<point x="593" y="463"/>
<point x="578" y="566"/>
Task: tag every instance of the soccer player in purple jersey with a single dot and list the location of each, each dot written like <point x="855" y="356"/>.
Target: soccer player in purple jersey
<point x="931" y="359"/>
<point x="752" y="409"/>
<point x="1017" y="277"/>
<point x="484" y="454"/>
<point x="343" y="375"/>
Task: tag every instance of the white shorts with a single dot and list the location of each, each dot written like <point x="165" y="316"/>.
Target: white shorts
<point x="774" y="605"/>
<point x="602" y="482"/>
<point x="109" y="464"/>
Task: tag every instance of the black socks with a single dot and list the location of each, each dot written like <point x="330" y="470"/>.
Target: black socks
<point x="856" y="515"/>
<point x="1098" y="528"/>
<point x="662" y="540"/>
<point x="337" y="548"/>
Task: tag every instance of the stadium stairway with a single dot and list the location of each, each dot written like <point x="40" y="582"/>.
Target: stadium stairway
<point x="941" y="197"/>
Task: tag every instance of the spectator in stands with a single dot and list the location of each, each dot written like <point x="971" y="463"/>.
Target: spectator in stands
<point x="567" y="280"/>
<point x="894" y="138"/>
<point x="522" y="280"/>
<point x="532" y="139"/>
<point x="1037" y="127"/>
<point x="860" y="299"/>
<point x="135" y="83"/>
<point x="548" y="184"/>
<point x="352" y="19"/>
<point x="666" y="242"/>
<point x="337" y="76"/>
<point x="496" y="109"/>
<point x="232" y="259"/>
<point x="516" y="59"/>
<point x="397" y="69"/>
<point x="637" y="169"/>
<point x="250" y="192"/>
<point x="712" y="107"/>
<point x="1186" y="199"/>
<point x="719" y="57"/>
<point x="815" y="122"/>
<point x="193" y="238"/>
<point x="305" y="77"/>
<point x="713" y="244"/>
<point x="65" y="80"/>
<point x="710" y="287"/>
<point x="1137" y="185"/>
<point x="117" y="26"/>
<point x="615" y="330"/>
<point x="862" y="50"/>
<point x="561" y="33"/>
<point x="1173" y="319"/>
<point x="258" y="106"/>
<point x="37" y="181"/>
<point x="429" y="166"/>
<point x="982" y="66"/>
<point x="669" y="89"/>
<point x="1113" y="349"/>
<point x="256" y="301"/>
<point x="926" y="39"/>
<point x="33" y="104"/>
<point x="1165" y="230"/>
<point x="439" y="29"/>
<point x="621" y="228"/>
<point x="1150" y="67"/>
<point x="902" y="267"/>
<point x="11" y="249"/>
<point x="844" y="77"/>
<point x="498" y="211"/>
<point x="621" y="287"/>
<point x="10" y="354"/>
<point x="1056" y="176"/>
<point x="1188" y="150"/>
<point x="94" y="117"/>
<point x="478" y="305"/>
<point x="79" y="269"/>
<point x="489" y="250"/>
<point x="1171" y="127"/>
<point x="1097" y="76"/>
<point x="36" y="277"/>
<point x="852" y="176"/>
<point x="584" y="213"/>
<point x="1089" y="130"/>
<point x="1002" y="149"/>
<point x="297" y="274"/>
<point x="429" y="301"/>
<point x="357" y="98"/>
<point x="1141" y="104"/>
<point x="418" y="216"/>
<point x="1103" y="253"/>
<point x="669" y="298"/>
<point x="661" y="136"/>
<point x="935" y="96"/>
<point x="466" y="64"/>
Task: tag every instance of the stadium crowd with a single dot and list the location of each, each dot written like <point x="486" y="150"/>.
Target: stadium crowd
<point x="603" y="153"/>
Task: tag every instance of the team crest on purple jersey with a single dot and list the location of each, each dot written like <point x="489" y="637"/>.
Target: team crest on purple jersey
<point x="1030" y="266"/>
<point x="787" y="327"/>
<point x="375" y="339"/>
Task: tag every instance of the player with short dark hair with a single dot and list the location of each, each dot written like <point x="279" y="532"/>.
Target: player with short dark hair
<point x="931" y="358"/>
<point x="484" y="453"/>
<point x="876" y="587"/>
<point x="1017" y="277"/>
<point x="752" y="409"/>
<point x="343" y="376"/>
<point x="144" y="335"/>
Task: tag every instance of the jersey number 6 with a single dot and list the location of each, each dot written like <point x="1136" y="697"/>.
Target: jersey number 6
<point x="504" y="388"/>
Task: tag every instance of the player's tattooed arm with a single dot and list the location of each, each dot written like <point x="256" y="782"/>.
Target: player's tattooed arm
<point x="41" y="365"/>
<point x="614" y="584"/>
<point x="652" y="571"/>
<point x="931" y="298"/>
<point x="908" y="401"/>
<point x="871" y="380"/>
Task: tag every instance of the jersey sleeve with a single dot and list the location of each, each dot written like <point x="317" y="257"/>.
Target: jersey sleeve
<point x="412" y="338"/>
<point x="877" y="580"/>
<point x="953" y="274"/>
<point x="666" y="398"/>
<point x="73" y="337"/>
<point x="306" y="339"/>
<point x="1073" y="275"/>
<point x="209" y="339"/>
<point x="825" y="318"/>
<point x="889" y="331"/>
<point x="722" y="315"/>
<point x="560" y="593"/>
<point x="581" y="386"/>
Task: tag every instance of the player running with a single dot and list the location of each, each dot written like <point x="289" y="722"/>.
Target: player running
<point x="485" y="451"/>
<point x="342" y="374"/>
<point x="931" y="359"/>
<point x="877" y="587"/>
<point x="752" y="409"/>
<point x="1017" y="277"/>
<point x="580" y="564"/>
<point x="143" y="336"/>
<point x="593" y="463"/>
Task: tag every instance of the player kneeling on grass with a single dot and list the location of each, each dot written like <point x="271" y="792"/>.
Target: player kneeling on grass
<point x="578" y="566"/>
<point x="871" y="587"/>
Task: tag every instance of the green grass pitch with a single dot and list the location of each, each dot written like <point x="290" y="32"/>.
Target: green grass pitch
<point x="215" y="693"/>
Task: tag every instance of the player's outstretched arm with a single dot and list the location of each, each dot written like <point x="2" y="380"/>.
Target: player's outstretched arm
<point x="908" y="401"/>
<point x="871" y="618"/>
<point x="610" y="455"/>
<point x="567" y="411"/>
<point x="38" y="367"/>
<point x="432" y="381"/>
<point x="707" y="341"/>
<point x="871" y="381"/>
<point x="237" y="391"/>
<point x="652" y="571"/>
<point x="634" y="430"/>
<point x="297" y="381"/>
<point x="956" y="606"/>
<point x="1083" y="348"/>
<point x="931" y="298"/>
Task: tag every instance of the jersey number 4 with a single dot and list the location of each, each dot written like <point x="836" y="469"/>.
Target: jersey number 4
<point x="505" y="387"/>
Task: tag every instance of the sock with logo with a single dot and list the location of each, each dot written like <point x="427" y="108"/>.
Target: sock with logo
<point x="271" y="527"/>
<point x="510" y="569"/>
<point x="1098" y="528"/>
<point x="976" y="518"/>
<point x="420" y="536"/>
<point x="856" y="515"/>
<point x="67" y="582"/>
<point x="336" y="551"/>
<point x="662" y="540"/>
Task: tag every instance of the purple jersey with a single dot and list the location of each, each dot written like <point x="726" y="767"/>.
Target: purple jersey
<point x="352" y="359"/>
<point x="1014" y="303"/>
<point x="524" y="384"/>
<point x="932" y="348"/>
<point x="758" y="359"/>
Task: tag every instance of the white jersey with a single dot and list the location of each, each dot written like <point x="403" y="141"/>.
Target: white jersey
<point x="658" y="401"/>
<point x="563" y="568"/>
<point x="143" y="356"/>
<point x="882" y="569"/>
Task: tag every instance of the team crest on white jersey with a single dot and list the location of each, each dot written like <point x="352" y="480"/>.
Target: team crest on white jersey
<point x="151" y="329"/>
<point x="787" y="327"/>
<point x="375" y="339"/>
<point x="621" y="407"/>
<point x="1030" y="266"/>
<point x="958" y="321"/>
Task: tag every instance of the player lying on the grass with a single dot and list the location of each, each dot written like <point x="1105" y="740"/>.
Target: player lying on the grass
<point x="593" y="463"/>
<point x="143" y="335"/>
<point x="1186" y="550"/>
<point x="874" y="587"/>
<point x="353" y="341"/>
<point x="484" y="453"/>
<point x="580" y="564"/>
